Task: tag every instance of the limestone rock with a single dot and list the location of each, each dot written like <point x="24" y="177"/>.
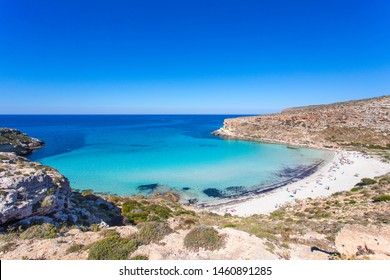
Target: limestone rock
<point x="12" y="140"/>
<point x="30" y="189"/>
<point x="359" y="241"/>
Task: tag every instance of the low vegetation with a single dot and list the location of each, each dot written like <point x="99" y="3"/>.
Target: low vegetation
<point x="381" y="198"/>
<point x="204" y="237"/>
<point x="112" y="248"/>
<point x="74" y="248"/>
<point x="367" y="182"/>
<point x="136" y="212"/>
<point x="44" y="231"/>
<point x="366" y="203"/>
<point x="152" y="232"/>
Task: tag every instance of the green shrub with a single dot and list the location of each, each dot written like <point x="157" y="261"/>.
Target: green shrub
<point x="152" y="232"/>
<point x="381" y="198"/>
<point x="356" y="189"/>
<point x="112" y="248"/>
<point x="94" y="227"/>
<point x="160" y="211"/>
<point x="227" y="225"/>
<point x="86" y="192"/>
<point x="203" y="237"/>
<point x="110" y="233"/>
<point x="74" y="248"/>
<point x="185" y="212"/>
<point x="367" y="182"/>
<point x="270" y="246"/>
<point x="277" y="213"/>
<point x="140" y="257"/>
<point x="44" y="231"/>
<point x="135" y="212"/>
<point x="8" y="247"/>
<point x="384" y="180"/>
<point x="336" y="194"/>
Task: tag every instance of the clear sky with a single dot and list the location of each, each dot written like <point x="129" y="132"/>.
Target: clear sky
<point x="193" y="56"/>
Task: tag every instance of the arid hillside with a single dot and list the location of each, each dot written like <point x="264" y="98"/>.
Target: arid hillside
<point x="364" y="123"/>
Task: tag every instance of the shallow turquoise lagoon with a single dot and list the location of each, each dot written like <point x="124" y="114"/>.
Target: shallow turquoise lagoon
<point x="118" y="154"/>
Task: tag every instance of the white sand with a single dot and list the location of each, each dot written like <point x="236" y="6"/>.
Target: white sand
<point x="342" y="173"/>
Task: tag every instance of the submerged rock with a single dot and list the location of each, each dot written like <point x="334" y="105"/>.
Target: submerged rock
<point x="235" y="189"/>
<point x="212" y="192"/>
<point x="148" y="188"/>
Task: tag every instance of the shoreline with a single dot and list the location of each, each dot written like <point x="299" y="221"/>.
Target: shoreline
<point x="340" y="173"/>
<point x="304" y="173"/>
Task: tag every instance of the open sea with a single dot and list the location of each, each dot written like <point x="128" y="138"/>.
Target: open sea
<point x="131" y="154"/>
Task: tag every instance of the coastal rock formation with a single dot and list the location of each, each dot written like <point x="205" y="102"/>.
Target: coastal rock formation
<point x="369" y="241"/>
<point x="30" y="189"/>
<point x="363" y="122"/>
<point x="33" y="193"/>
<point x="12" y="140"/>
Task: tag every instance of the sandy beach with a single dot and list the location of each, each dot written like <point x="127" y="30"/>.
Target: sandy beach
<point x="341" y="173"/>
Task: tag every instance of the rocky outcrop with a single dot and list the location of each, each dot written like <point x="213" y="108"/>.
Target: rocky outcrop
<point x="30" y="189"/>
<point x="34" y="193"/>
<point x="372" y="242"/>
<point x="12" y="140"/>
<point x="362" y="122"/>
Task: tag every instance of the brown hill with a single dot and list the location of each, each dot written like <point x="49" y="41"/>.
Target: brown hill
<point x="363" y="122"/>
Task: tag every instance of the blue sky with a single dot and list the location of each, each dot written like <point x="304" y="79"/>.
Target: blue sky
<point x="221" y="56"/>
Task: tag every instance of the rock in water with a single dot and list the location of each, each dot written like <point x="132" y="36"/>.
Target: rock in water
<point x="12" y="140"/>
<point x="212" y="192"/>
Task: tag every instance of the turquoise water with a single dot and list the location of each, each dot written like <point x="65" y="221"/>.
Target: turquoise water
<point x="117" y="154"/>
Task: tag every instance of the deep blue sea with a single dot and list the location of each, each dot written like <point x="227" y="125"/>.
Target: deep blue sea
<point x="130" y="154"/>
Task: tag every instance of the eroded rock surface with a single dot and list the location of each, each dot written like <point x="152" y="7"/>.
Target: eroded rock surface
<point x="30" y="189"/>
<point x="31" y="192"/>
<point x="358" y="241"/>
<point x="12" y="140"/>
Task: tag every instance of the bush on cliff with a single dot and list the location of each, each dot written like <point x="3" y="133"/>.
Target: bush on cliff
<point x="152" y="232"/>
<point x="382" y="198"/>
<point x="367" y="182"/>
<point x="112" y="248"/>
<point x="135" y="212"/>
<point x="204" y="237"/>
<point x="44" y="231"/>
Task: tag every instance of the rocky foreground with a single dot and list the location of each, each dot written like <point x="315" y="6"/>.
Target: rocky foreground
<point x="359" y="123"/>
<point x="347" y="225"/>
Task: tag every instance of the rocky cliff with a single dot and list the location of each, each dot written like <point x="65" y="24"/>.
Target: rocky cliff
<point x="363" y="122"/>
<point x="33" y="193"/>
<point x="12" y="140"/>
<point x="30" y="189"/>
